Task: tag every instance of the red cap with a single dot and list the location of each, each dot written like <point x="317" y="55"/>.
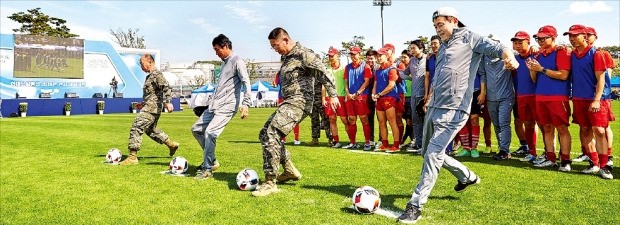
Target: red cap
<point x="389" y="46"/>
<point x="383" y="51"/>
<point x="521" y="35"/>
<point x="333" y="51"/>
<point x="577" y="29"/>
<point x="546" y="31"/>
<point x="355" y="50"/>
<point x="591" y="31"/>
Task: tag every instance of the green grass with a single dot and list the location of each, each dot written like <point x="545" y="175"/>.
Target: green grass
<point x="51" y="172"/>
<point x="73" y="71"/>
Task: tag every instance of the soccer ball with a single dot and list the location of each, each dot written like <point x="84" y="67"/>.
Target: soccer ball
<point x="178" y="165"/>
<point x="114" y="156"/>
<point x="366" y="200"/>
<point x="247" y="179"/>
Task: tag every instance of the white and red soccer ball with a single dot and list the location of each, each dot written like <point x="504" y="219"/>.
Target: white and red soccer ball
<point x="114" y="156"/>
<point x="366" y="200"/>
<point x="247" y="180"/>
<point x="178" y="165"/>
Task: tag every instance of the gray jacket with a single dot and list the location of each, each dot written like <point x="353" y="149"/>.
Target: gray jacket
<point x="497" y="79"/>
<point x="227" y="95"/>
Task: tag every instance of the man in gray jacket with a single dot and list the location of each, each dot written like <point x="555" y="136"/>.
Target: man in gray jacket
<point x="224" y="104"/>
<point x="449" y="104"/>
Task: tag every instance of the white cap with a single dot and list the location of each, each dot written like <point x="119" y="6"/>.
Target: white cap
<point x="447" y="11"/>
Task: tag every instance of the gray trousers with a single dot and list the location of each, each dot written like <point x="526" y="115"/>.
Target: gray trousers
<point x="500" y="113"/>
<point x="418" y="122"/>
<point x="207" y="128"/>
<point x="440" y="127"/>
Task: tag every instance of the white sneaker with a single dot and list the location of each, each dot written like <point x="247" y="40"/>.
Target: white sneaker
<point x="610" y="161"/>
<point x="540" y="159"/>
<point x="546" y="163"/>
<point x="367" y="147"/>
<point x="581" y="158"/>
<point x="565" y="168"/>
<point x="337" y="145"/>
<point x="605" y="173"/>
<point x="528" y="158"/>
<point x="591" y="170"/>
<point x="297" y="142"/>
<point x="351" y="146"/>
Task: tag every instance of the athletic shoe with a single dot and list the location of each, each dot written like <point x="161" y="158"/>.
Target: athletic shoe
<point x="367" y="147"/>
<point x="314" y="142"/>
<point x="410" y="215"/>
<point x="463" y="152"/>
<point x="489" y="149"/>
<point x="523" y="150"/>
<point x="502" y="155"/>
<point x="382" y="148"/>
<point x="216" y="165"/>
<point x="610" y="161"/>
<point x="203" y="175"/>
<point x="565" y="166"/>
<point x="540" y="159"/>
<point x="605" y="173"/>
<point x="461" y="186"/>
<point x="546" y="163"/>
<point x="528" y="158"/>
<point x="413" y="149"/>
<point x="351" y="146"/>
<point x="581" y="158"/>
<point x="337" y="145"/>
<point x="297" y="142"/>
<point x="474" y="153"/>
<point x="591" y="170"/>
<point x="392" y="149"/>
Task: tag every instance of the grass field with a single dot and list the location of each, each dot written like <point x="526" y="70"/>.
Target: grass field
<point x="51" y="172"/>
<point x="75" y="70"/>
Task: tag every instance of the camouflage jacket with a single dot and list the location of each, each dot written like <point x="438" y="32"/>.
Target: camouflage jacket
<point x="155" y="92"/>
<point x="300" y="69"/>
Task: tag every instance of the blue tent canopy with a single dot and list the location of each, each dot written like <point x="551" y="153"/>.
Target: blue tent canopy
<point x="615" y="81"/>
<point x="204" y="89"/>
<point x="263" y="86"/>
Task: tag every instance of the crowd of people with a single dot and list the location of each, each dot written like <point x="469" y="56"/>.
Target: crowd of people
<point x="463" y="76"/>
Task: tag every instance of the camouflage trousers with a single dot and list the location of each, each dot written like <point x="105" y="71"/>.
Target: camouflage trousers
<point x="319" y="121"/>
<point x="277" y="126"/>
<point x="145" y="123"/>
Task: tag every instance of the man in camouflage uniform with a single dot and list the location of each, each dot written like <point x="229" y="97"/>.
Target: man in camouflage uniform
<point x="156" y="94"/>
<point x="300" y="68"/>
<point x="318" y="119"/>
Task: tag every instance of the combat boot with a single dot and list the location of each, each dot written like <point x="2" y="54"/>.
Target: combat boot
<point x="173" y="146"/>
<point x="315" y="142"/>
<point x="290" y="173"/>
<point x="131" y="159"/>
<point x="266" y="188"/>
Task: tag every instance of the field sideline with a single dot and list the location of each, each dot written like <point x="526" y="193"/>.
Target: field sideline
<point x="51" y="172"/>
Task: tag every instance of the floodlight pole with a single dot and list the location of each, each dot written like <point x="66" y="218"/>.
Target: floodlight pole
<point x="382" y="3"/>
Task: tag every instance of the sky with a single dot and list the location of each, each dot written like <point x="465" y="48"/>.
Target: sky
<point x="183" y="30"/>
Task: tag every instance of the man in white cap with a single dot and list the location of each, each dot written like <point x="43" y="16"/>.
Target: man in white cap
<point x="450" y="99"/>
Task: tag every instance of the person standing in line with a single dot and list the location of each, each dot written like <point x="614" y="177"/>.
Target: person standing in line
<point x="385" y="94"/>
<point x="356" y="79"/>
<point x="337" y="70"/>
<point x="415" y="72"/>
<point x="405" y="58"/>
<point x="224" y="105"/>
<point x="371" y="61"/>
<point x="300" y="67"/>
<point x="156" y="95"/>
<point x="401" y="88"/>
<point x="450" y="99"/>
<point x="550" y="70"/>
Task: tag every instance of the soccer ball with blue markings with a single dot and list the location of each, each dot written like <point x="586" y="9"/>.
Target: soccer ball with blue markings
<point x="366" y="200"/>
<point x="247" y="179"/>
<point x="114" y="156"/>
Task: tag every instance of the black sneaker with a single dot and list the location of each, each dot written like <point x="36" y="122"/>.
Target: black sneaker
<point x="410" y="215"/>
<point x="502" y="155"/>
<point x="461" y="186"/>
<point x="523" y="150"/>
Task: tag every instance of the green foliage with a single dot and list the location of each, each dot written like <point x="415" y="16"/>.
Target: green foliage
<point x="23" y="107"/>
<point x="129" y="39"/>
<point x="425" y="40"/>
<point x="67" y="106"/>
<point x="52" y="165"/>
<point x="35" y="22"/>
<point x="100" y="105"/>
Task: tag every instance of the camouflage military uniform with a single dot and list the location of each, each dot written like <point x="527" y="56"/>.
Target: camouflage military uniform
<point x="318" y="119"/>
<point x="155" y="93"/>
<point x="300" y="68"/>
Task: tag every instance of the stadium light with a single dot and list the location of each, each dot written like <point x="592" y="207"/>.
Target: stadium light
<point x="382" y="3"/>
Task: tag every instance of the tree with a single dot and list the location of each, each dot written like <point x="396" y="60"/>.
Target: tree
<point x="357" y="41"/>
<point x="129" y="39"/>
<point x="253" y="68"/>
<point x="37" y="23"/>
